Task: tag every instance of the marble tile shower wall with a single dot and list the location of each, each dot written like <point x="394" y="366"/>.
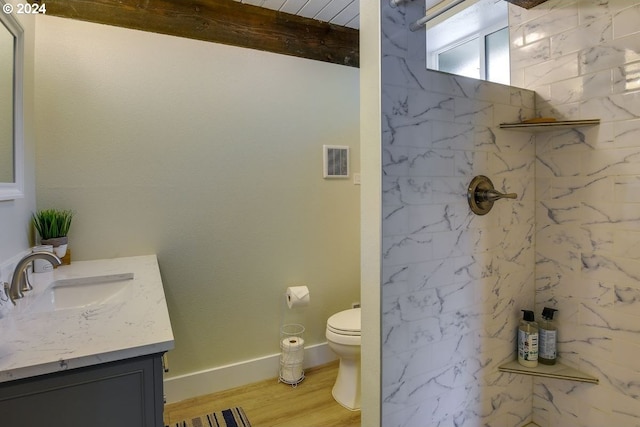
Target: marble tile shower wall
<point x="453" y="282"/>
<point x="582" y="59"/>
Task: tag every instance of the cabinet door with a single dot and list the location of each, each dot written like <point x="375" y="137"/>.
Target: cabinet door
<point x="126" y="393"/>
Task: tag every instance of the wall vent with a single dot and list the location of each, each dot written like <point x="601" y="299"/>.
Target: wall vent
<point x="336" y="161"/>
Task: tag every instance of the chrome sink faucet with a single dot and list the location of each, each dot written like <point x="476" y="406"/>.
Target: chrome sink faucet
<point x="19" y="280"/>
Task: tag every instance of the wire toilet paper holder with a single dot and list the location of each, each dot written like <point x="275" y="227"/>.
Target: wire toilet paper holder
<point x="292" y="354"/>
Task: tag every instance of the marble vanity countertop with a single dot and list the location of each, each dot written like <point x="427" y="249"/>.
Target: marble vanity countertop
<point x="37" y="343"/>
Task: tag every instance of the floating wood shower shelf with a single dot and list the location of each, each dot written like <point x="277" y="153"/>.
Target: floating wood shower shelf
<point x="549" y="126"/>
<point x="558" y="371"/>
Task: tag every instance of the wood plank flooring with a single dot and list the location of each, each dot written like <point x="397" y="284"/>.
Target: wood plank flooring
<point x="273" y="404"/>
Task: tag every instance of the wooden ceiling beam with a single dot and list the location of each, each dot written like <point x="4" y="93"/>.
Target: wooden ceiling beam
<point x="527" y="4"/>
<point x="222" y="21"/>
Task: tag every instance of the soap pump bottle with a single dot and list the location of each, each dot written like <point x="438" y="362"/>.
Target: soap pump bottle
<point x="528" y="340"/>
<point x="548" y="337"/>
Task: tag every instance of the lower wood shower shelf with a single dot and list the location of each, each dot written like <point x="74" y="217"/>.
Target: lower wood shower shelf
<point x="558" y="371"/>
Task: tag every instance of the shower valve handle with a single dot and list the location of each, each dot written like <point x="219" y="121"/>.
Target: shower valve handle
<point x="481" y="194"/>
<point x="493" y="195"/>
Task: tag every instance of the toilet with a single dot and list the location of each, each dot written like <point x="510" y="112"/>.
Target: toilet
<point x="343" y="336"/>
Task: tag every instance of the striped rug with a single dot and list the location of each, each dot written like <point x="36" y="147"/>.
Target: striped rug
<point x="232" y="417"/>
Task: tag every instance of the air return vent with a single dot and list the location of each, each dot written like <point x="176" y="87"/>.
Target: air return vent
<point x="336" y="161"/>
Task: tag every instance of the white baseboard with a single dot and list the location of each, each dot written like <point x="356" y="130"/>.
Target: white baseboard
<point x="238" y="374"/>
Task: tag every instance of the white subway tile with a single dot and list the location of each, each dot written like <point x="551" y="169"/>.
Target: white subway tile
<point x="549" y="25"/>
<point x="402" y="249"/>
<point x="627" y="244"/>
<point x="470" y="111"/>
<point x="581" y="88"/>
<point x="626" y="133"/>
<point x="529" y="55"/>
<point x="610" y="54"/>
<point x="552" y="70"/>
<point x="626" y="78"/>
<point x="626" y="189"/>
<point x="626" y="21"/>
<point x="575" y="39"/>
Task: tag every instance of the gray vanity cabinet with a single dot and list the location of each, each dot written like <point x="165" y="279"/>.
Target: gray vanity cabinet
<point x="126" y="393"/>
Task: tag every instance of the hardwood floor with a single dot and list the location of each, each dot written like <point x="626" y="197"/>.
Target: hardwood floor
<point x="273" y="404"/>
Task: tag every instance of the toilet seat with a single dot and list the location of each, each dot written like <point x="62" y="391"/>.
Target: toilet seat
<point x="351" y="340"/>
<point x="346" y="322"/>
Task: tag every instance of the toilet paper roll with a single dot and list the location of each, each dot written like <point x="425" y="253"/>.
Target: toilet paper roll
<point x="291" y="374"/>
<point x="297" y="296"/>
<point x="292" y="358"/>
<point x="292" y="350"/>
<point x="292" y="344"/>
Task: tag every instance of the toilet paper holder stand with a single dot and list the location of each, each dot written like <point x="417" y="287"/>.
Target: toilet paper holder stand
<point x="292" y="356"/>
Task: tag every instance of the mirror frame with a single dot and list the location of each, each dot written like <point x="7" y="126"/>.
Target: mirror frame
<point x="15" y="190"/>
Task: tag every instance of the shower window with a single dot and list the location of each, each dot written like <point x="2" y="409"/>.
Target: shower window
<point x="481" y="56"/>
<point x="496" y="47"/>
<point x="472" y="40"/>
<point x="463" y="59"/>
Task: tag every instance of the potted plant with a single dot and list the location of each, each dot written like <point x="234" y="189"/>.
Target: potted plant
<point x="53" y="227"/>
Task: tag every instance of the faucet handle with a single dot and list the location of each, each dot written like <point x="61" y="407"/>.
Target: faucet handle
<point x="492" y="195"/>
<point x="6" y="286"/>
<point x="25" y="284"/>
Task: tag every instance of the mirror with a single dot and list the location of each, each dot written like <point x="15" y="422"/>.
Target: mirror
<point x="469" y="38"/>
<point x="11" y="131"/>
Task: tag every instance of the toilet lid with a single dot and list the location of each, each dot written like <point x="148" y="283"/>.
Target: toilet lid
<point x="346" y="322"/>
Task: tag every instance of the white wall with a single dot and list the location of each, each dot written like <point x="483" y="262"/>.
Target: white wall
<point x="211" y="157"/>
<point x="582" y="59"/>
<point x="15" y="215"/>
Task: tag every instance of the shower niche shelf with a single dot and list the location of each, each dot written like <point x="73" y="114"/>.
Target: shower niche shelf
<point x="557" y="371"/>
<point x="549" y="126"/>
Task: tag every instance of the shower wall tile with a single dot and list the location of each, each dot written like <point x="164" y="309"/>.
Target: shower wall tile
<point x="626" y="22"/>
<point x="552" y="70"/>
<point x="626" y="78"/>
<point x="574" y="38"/>
<point x="524" y="55"/>
<point x="610" y="54"/>
<point x="587" y="195"/>
<point x="453" y="282"/>
<point x="587" y="86"/>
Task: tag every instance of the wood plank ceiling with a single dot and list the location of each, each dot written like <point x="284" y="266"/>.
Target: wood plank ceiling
<point x="339" y="12"/>
<point x="323" y="30"/>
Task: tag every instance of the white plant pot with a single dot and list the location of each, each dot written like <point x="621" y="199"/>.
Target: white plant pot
<point x="59" y="245"/>
<point x="60" y="251"/>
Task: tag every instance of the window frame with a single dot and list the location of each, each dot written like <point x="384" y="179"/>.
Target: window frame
<point x="433" y="58"/>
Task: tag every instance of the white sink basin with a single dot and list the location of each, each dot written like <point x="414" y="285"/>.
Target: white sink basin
<point x="81" y="292"/>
